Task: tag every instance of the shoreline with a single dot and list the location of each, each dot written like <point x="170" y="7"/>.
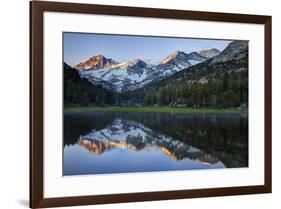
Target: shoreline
<point x="152" y="109"/>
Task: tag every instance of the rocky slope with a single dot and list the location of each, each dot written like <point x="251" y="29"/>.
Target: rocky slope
<point x="209" y="52"/>
<point x="234" y="51"/>
<point x="96" y="62"/>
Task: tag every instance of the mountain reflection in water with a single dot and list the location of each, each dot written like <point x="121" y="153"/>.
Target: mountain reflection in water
<point x="99" y="143"/>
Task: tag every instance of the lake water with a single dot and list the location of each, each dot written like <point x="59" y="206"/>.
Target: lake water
<point x="106" y="142"/>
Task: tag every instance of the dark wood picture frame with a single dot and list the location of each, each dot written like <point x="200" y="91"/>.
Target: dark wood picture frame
<point x="37" y="9"/>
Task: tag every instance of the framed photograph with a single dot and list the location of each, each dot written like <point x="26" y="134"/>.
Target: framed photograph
<point x="138" y="104"/>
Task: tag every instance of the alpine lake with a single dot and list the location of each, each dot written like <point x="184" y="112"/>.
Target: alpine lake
<point x="103" y="142"/>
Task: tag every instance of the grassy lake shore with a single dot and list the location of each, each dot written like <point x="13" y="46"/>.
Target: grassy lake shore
<point x="153" y="109"/>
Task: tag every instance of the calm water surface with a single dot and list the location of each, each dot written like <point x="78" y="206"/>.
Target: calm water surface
<point x="102" y="142"/>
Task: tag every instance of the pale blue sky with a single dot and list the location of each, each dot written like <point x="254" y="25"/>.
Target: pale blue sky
<point x="79" y="47"/>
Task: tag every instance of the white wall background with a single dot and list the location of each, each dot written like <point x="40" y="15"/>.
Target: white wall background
<point x="14" y="103"/>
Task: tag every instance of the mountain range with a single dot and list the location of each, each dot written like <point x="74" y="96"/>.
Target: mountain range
<point x="134" y="74"/>
<point x="181" y="79"/>
<point x="221" y="81"/>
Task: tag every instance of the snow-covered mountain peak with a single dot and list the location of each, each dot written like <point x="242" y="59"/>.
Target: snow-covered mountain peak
<point x="96" y="62"/>
<point x="139" y="63"/>
<point x="134" y="63"/>
<point x="178" y="53"/>
<point x="196" y="56"/>
<point x="174" y="55"/>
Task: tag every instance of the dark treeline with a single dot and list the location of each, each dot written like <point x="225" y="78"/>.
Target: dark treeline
<point x="231" y="91"/>
<point x="79" y="91"/>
